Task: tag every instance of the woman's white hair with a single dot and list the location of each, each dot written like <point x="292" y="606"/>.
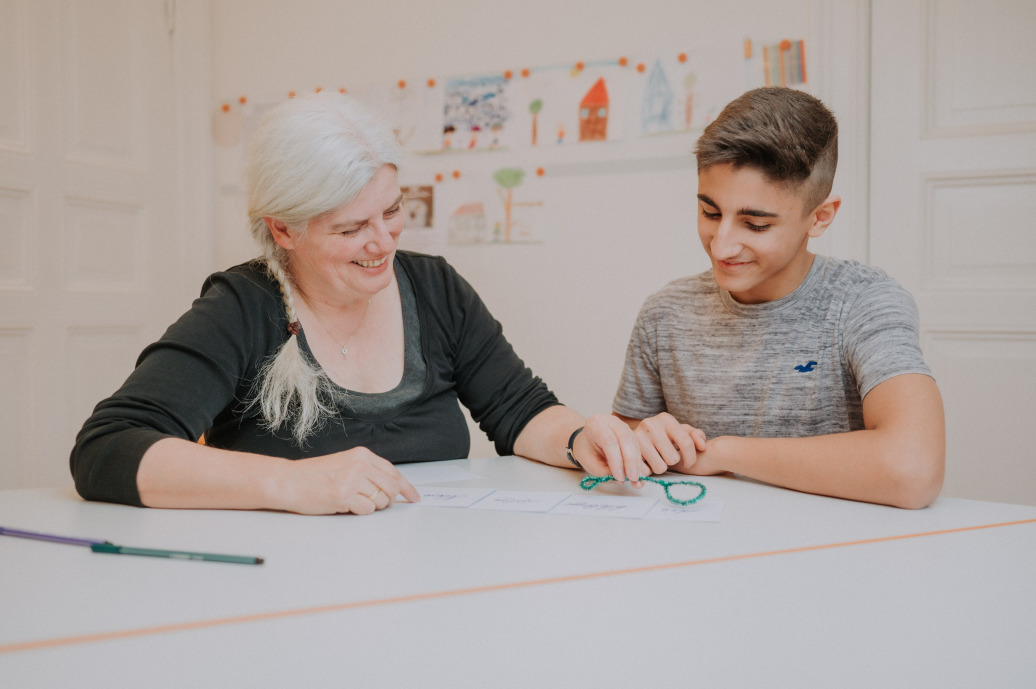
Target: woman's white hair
<point x="309" y="156"/>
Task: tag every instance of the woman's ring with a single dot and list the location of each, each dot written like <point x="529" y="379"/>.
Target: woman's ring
<point x="374" y="495"/>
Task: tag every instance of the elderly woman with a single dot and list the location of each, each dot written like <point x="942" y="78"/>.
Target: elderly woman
<point x="333" y="349"/>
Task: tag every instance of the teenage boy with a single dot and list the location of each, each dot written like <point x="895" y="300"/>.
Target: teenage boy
<point x="798" y="370"/>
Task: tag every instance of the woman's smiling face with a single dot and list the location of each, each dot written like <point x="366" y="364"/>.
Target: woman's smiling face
<point x="346" y="255"/>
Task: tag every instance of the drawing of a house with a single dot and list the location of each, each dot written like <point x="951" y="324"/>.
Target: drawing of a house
<point x="467" y="224"/>
<point x="656" y="109"/>
<point x="593" y="113"/>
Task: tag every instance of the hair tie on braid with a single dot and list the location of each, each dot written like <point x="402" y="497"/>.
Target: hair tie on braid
<point x="293" y="327"/>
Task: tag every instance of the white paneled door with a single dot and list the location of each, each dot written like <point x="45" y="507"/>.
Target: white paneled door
<point x="953" y="217"/>
<point x="90" y="243"/>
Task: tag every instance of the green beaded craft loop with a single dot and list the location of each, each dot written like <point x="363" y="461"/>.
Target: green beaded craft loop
<point x="591" y="482"/>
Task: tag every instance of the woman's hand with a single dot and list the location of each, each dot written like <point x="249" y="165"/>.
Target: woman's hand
<point x="355" y="480"/>
<point x="607" y="446"/>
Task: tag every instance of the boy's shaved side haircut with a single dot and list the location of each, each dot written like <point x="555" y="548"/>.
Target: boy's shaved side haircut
<point x="788" y="135"/>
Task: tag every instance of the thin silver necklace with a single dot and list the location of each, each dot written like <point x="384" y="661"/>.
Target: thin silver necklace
<point x="344" y="347"/>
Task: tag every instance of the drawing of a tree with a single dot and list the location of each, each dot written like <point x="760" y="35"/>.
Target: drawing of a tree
<point x="508" y="178"/>
<point x="534" y="109"/>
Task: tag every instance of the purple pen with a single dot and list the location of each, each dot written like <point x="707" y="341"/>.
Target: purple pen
<point x="17" y="533"/>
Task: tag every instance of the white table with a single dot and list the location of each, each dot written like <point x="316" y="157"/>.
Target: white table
<point x="788" y="590"/>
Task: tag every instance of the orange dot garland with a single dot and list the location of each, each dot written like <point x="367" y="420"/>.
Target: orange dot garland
<point x="577" y="68"/>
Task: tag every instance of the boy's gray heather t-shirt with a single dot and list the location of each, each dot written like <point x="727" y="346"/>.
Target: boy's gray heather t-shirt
<point x="799" y="366"/>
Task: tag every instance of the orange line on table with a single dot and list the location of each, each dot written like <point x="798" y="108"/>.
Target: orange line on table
<point x="393" y="600"/>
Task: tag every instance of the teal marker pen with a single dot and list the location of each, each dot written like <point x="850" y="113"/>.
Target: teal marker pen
<point x="174" y="554"/>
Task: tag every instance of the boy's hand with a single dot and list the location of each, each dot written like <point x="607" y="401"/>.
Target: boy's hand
<point x="665" y="443"/>
<point x="707" y="463"/>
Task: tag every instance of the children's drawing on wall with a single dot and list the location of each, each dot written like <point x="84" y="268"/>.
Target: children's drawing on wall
<point x="581" y="105"/>
<point x="418" y="207"/>
<point x="782" y="63"/>
<point x="420" y="232"/>
<point x="468" y="224"/>
<point x="412" y="109"/>
<point x="518" y="226"/>
<point x="674" y="96"/>
<point x="529" y="94"/>
<point x="475" y="113"/>
<point x="593" y="113"/>
<point x="565" y="117"/>
<point x="534" y="110"/>
<point x="785" y="63"/>
<point x="657" y="109"/>
<point x="496" y="207"/>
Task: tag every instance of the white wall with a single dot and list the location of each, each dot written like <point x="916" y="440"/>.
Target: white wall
<point x="567" y="305"/>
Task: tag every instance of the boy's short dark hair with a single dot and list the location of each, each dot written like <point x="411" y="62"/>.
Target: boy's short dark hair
<point x="788" y="135"/>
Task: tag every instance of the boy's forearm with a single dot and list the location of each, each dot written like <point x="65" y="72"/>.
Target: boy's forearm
<point x="898" y="460"/>
<point x="857" y="466"/>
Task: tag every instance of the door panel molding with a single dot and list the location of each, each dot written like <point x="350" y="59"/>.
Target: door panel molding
<point x="972" y="78"/>
<point x="974" y="236"/>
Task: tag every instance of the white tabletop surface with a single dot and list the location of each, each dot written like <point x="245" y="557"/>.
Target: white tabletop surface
<point x="787" y="590"/>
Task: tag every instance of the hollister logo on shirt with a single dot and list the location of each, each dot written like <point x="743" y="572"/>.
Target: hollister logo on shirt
<point x="807" y="368"/>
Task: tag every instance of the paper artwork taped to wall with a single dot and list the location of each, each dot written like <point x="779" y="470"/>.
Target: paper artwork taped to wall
<point x="610" y="100"/>
<point x="673" y="99"/>
<point x="501" y="207"/>
<point x="657" y="106"/>
<point x="472" y="141"/>
<point x="419" y="207"/>
<point x="593" y="113"/>
<point x="476" y="113"/>
<point x="579" y="105"/>
<point x="420" y="232"/>
<point x="775" y="64"/>
<point x="413" y="111"/>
